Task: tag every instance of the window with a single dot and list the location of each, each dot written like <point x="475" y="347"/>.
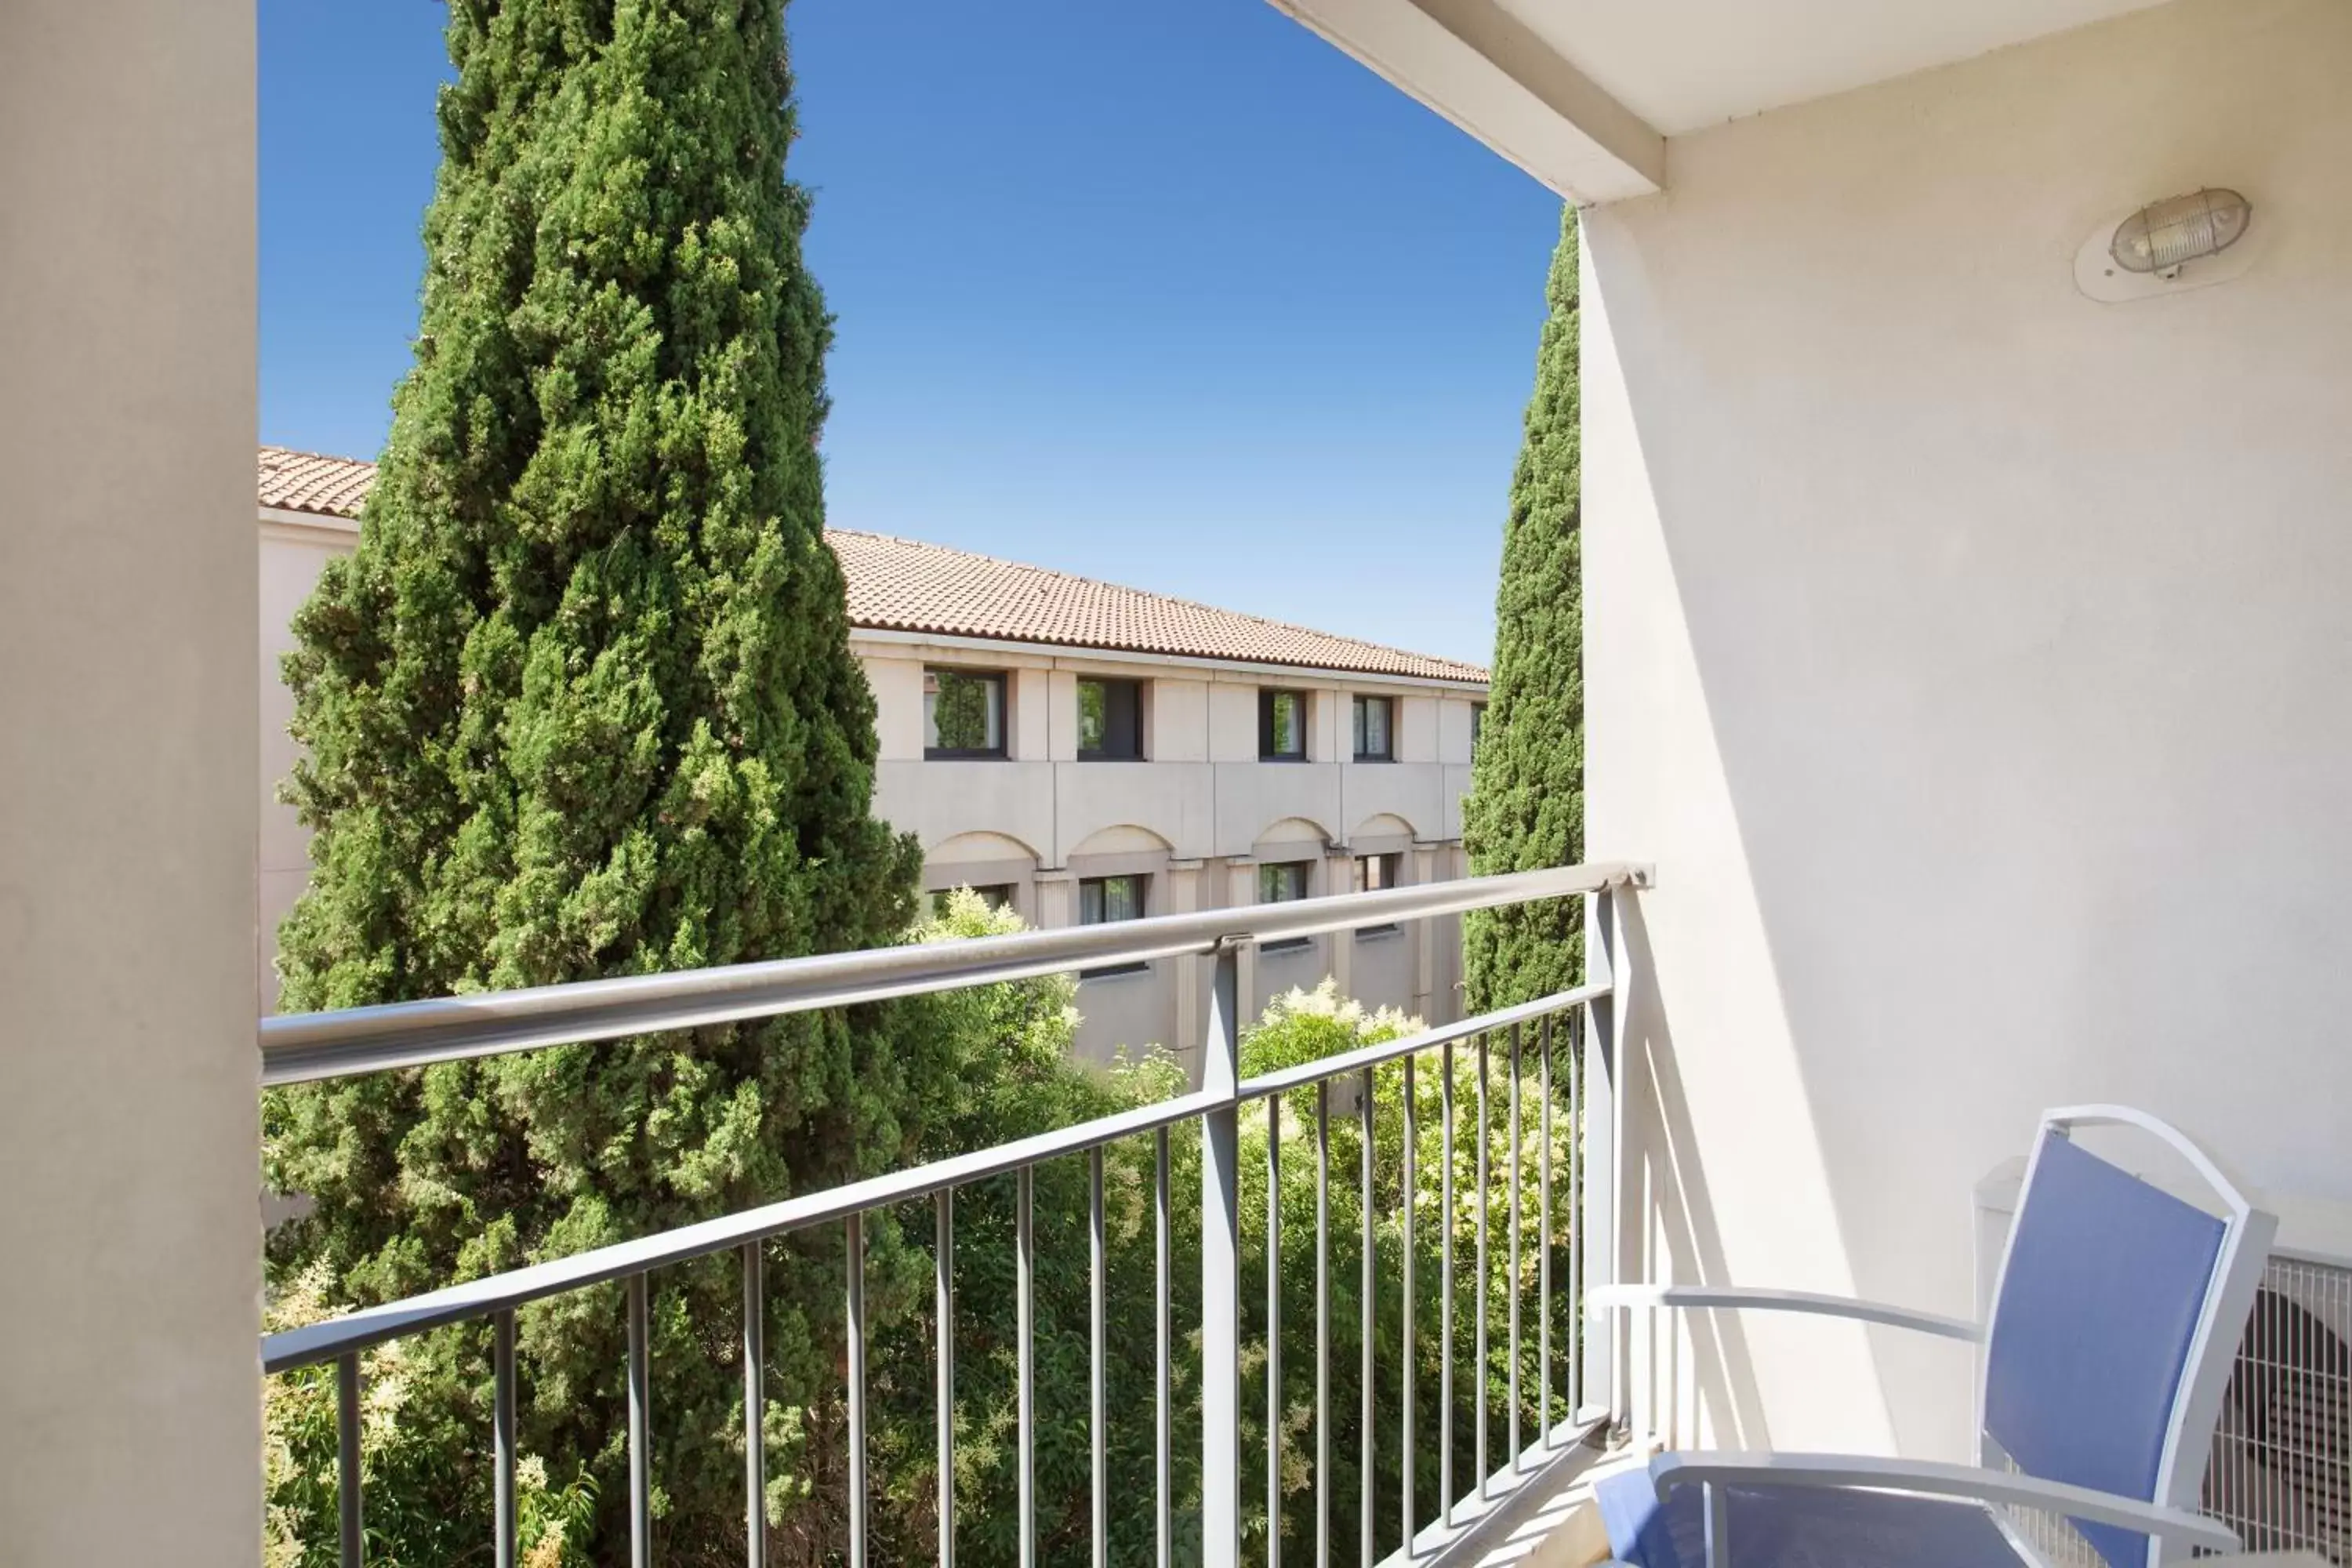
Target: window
<point x="1374" y="872"/>
<point x="1375" y="719"/>
<point x="1282" y="726"/>
<point x="995" y="895"/>
<point x="963" y="713"/>
<point x="1104" y="900"/>
<point x="1284" y="882"/>
<point x="1111" y="720"/>
<point x="1477" y="722"/>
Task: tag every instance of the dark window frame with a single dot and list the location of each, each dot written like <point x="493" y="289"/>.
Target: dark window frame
<point x="1355" y="710"/>
<point x="1267" y="697"/>
<point x="1142" y="881"/>
<point x="1305" y="871"/>
<point x="997" y="679"/>
<point x="1392" y="870"/>
<point x="1113" y="687"/>
<point x="1477" y="725"/>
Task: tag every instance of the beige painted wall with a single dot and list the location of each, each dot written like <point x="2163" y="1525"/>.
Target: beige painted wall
<point x="294" y="550"/>
<point x="1203" y="797"/>
<point x="1972" y="661"/>
<point x="128" y="1137"/>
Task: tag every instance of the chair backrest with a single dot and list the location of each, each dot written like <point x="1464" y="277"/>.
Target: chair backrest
<point x="2115" y="1323"/>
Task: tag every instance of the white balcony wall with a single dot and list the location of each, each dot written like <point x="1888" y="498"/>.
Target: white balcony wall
<point x="129" y="1134"/>
<point x="295" y="548"/>
<point x="1971" y="658"/>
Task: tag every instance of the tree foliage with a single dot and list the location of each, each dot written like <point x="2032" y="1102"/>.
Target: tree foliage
<point x="1526" y="807"/>
<point x="582" y="704"/>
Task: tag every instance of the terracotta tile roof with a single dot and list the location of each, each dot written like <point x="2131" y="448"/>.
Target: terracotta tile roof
<point x="902" y="584"/>
<point x="313" y="482"/>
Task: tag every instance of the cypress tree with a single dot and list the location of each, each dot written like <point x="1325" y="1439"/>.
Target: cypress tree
<point x="1526" y="807"/>
<point x="582" y="704"/>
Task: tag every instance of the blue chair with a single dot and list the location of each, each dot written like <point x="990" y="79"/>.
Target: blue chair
<point x="2114" y="1328"/>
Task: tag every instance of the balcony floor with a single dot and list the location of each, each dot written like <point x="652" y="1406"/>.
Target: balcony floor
<point x="1550" y="1524"/>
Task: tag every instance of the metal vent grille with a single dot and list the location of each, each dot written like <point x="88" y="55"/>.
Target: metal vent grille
<point x="2281" y="1471"/>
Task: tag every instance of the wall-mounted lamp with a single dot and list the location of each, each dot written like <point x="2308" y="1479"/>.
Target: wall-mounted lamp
<point x="2168" y="247"/>
<point x="2164" y="236"/>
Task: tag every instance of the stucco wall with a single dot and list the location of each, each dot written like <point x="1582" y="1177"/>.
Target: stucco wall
<point x="1202" y="808"/>
<point x="1972" y="660"/>
<point x="293" y="552"/>
<point x="129" y="1128"/>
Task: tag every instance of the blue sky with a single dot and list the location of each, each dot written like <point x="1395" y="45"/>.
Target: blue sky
<point x="1168" y="292"/>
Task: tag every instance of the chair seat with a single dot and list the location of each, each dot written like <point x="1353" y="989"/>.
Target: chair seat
<point x="1800" y="1527"/>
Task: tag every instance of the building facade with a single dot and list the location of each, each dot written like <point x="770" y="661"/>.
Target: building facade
<point x="1078" y="752"/>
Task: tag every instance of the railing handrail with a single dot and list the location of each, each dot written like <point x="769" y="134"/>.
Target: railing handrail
<point x="1306" y="1075"/>
<point x="320" y="1341"/>
<point x="478" y="1299"/>
<point x="304" y="1046"/>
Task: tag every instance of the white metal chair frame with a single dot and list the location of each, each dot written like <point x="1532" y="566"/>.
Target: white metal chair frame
<point x="2169" y="1518"/>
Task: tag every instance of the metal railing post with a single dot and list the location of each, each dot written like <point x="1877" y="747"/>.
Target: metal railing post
<point x="755" y="1405"/>
<point x="1024" y="1314"/>
<point x="1221" y="1240"/>
<point x="1163" y="1414"/>
<point x="1603" y="1368"/>
<point x="1097" y="1351"/>
<point x="944" y="1371"/>
<point x="352" y="1537"/>
<point x="854" y="1249"/>
<point x="502" y="1438"/>
<point x="639" y="1292"/>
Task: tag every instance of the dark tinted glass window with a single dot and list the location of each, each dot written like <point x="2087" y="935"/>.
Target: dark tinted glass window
<point x="1282" y="882"/>
<point x="1110" y="720"/>
<point x="963" y="713"/>
<point x="1281" y="725"/>
<point x="1102" y="900"/>
<point x="1374" y="872"/>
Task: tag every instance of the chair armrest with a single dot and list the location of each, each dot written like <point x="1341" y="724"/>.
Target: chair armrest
<point x="1755" y="1299"/>
<point x="1934" y="1479"/>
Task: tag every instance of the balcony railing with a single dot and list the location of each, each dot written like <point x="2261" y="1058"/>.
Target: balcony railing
<point x="1574" y="1027"/>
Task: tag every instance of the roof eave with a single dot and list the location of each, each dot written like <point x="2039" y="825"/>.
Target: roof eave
<point x="1046" y="650"/>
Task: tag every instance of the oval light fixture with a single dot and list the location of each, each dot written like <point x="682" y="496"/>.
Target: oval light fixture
<point x="2161" y="249"/>
<point x="2163" y="236"/>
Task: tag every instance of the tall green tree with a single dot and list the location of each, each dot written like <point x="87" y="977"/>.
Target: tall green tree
<point x="1526" y="809"/>
<point x="582" y="704"/>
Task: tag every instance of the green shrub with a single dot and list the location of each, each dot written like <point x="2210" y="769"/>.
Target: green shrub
<point x="1311" y="1025"/>
<point x="426" y="1501"/>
